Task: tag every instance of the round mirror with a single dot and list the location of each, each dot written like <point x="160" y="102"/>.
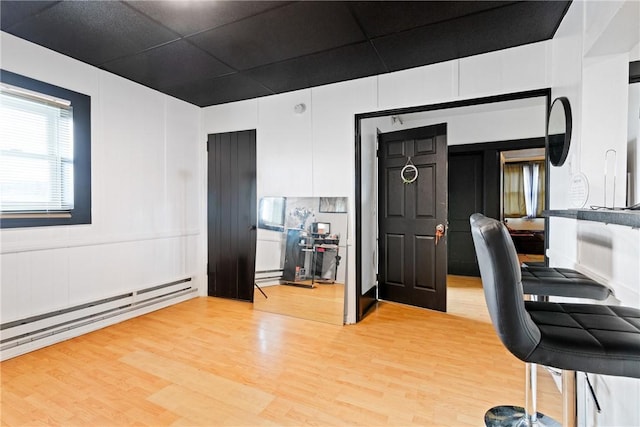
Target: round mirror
<point x="559" y="131"/>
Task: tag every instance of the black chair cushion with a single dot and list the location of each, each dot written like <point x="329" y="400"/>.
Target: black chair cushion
<point x="587" y="337"/>
<point x="562" y="282"/>
<point x="579" y="337"/>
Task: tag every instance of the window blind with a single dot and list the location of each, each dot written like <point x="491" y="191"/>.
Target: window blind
<point x="36" y="152"/>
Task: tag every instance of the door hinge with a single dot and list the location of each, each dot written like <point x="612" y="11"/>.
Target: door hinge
<point x="207" y="145"/>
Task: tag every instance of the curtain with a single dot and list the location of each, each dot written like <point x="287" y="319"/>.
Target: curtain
<point x="523" y="193"/>
<point x="540" y="192"/>
<point x="513" y="191"/>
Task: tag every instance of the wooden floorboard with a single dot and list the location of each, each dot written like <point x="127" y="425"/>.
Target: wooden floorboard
<point x="215" y="362"/>
<point x="323" y="302"/>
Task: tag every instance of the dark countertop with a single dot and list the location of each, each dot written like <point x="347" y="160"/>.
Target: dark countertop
<point x="619" y="217"/>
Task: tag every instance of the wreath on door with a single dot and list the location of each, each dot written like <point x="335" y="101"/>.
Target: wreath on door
<point x="409" y="172"/>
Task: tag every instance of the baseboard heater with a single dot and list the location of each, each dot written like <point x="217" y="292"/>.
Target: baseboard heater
<point x="28" y="331"/>
<point x="268" y="275"/>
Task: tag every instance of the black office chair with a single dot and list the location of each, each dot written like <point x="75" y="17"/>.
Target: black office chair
<point x="573" y="337"/>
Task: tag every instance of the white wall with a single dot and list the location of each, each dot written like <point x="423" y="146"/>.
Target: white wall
<point x="590" y="57"/>
<point x="312" y="154"/>
<point x="149" y="179"/>
<point x="147" y="186"/>
<point x="633" y="135"/>
<point x="465" y="125"/>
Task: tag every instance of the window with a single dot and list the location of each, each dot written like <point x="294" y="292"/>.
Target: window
<point x="523" y="191"/>
<point x="45" y="154"/>
<point x="271" y="213"/>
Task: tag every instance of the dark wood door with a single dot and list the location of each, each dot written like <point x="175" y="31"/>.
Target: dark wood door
<point x="465" y="198"/>
<point x="231" y="210"/>
<point x="412" y="266"/>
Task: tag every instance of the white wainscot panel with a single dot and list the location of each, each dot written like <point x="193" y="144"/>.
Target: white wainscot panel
<point x="15" y="292"/>
<point x="595" y="244"/>
<point x="269" y="256"/>
<point x="30" y="238"/>
<point x="284" y="145"/>
<point x="562" y="242"/>
<point x="626" y="264"/>
<point x="184" y="145"/>
<point x="49" y="280"/>
<point x="101" y="271"/>
<point x="526" y="67"/>
<point x="610" y="254"/>
<point x="559" y="182"/>
<point x="481" y="74"/>
<point x="277" y="112"/>
<point x="418" y="86"/>
<point x="168" y="260"/>
<point x="235" y="116"/>
<point x="194" y="257"/>
<point x="334" y="108"/>
<point x="130" y="159"/>
<point x="604" y="128"/>
<point x="284" y="163"/>
<point x="618" y="397"/>
<point x="508" y="124"/>
<point x="509" y="70"/>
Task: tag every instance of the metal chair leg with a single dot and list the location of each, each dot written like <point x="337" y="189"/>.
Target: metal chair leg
<point x="516" y="416"/>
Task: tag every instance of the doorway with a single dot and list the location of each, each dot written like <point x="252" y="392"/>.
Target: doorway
<point x="231" y="214"/>
<point x="509" y="117"/>
<point x="466" y="196"/>
<point x="412" y="213"/>
<point x="523" y="178"/>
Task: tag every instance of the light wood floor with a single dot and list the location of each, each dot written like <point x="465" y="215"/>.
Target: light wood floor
<point x="324" y="302"/>
<point x="214" y="362"/>
<point x="530" y="258"/>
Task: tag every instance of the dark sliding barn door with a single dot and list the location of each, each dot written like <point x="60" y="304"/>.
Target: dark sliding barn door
<point x="231" y="210"/>
<point x="413" y="261"/>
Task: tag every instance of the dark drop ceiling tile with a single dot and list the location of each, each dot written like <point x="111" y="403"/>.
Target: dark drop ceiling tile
<point x="420" y="46"/>
<point x="168" y="65"/>
<point x="379" y="18"/>
<point x="500" y="28"/>
<point x="92" y="31"/>
<point x="295" y="30"/>
<point x="233" y="87"/>
<point x="13" y="12"/>
<point x="346" y="63"/>
<point x="243" y="49"/>
<point x="282" y="76"/>
<point x="514" y="25"/>
<point x="336" y="65"/>
<point x="190" y="17"/>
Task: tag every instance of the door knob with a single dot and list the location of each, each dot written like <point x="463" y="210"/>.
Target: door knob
<point x="439" y="233"/>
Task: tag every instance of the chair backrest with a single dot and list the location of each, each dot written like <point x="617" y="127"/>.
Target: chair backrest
<point x="501" y="281"/>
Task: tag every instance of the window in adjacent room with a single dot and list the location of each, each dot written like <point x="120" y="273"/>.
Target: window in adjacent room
<point x="45" y="157"/>
<point x="523" y="184"/>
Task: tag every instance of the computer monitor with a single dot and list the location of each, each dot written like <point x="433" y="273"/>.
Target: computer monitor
<point x="322" y="228"/>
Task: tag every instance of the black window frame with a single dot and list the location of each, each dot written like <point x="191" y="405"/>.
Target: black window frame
<point x="81" y="212"/>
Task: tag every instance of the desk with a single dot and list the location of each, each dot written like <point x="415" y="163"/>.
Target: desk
<point x="325" y="267"/>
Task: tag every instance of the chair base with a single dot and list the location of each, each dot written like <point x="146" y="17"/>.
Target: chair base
<point x="514" y="416"/>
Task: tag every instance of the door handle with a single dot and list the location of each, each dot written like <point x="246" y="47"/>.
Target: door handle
<point x="439" y="232"/>
<point x="252" y="227"/>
